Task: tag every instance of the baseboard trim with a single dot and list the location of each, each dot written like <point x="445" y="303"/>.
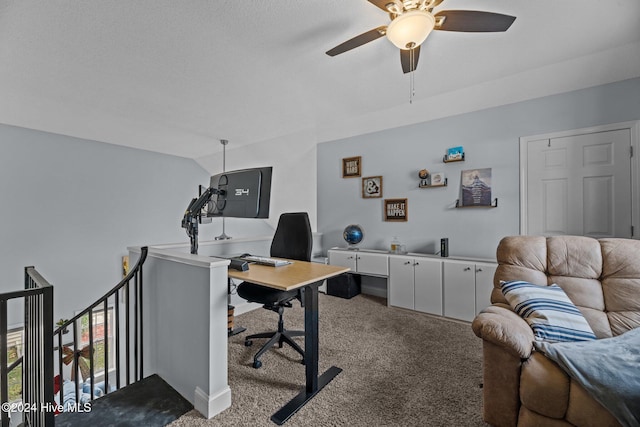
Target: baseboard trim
<point x="245" y="308"/>
<point x="373" y="290"/>
<point x="210" y="406"/>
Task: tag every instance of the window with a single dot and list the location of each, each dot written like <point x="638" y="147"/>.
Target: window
<point x="15" y="339"/>
<point x="99" y="339"/>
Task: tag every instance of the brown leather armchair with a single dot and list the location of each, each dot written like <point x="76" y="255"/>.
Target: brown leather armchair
<point x="521" y="386"/>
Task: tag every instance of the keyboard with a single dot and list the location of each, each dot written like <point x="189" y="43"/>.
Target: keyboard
<point x="272" y="262"/>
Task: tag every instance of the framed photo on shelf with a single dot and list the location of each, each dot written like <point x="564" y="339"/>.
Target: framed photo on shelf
<point x="372" y="187"/>
<point x="455" y="153"/>
<point x="395" y="210"/>
<point x="438" y="179"/>
<point x="351" y="167"/>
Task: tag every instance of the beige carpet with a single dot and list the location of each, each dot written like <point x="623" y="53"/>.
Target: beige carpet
<point x="400" y="368"/>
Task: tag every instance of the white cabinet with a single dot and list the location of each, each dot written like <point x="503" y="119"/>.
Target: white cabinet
<point x="484" y="284"/>
<point x="456" y="288"/>
<point x="375" y="264"/>
<point x="415" y="283"/>
<point x="401" y="282"/>
<point x="465" y="288"/>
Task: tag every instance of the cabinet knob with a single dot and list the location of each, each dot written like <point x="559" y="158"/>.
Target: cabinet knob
<point x="479" y="270"/>
<point x="417" y="263"/>
<point x="407" y="262"/>
<point x="467" y="268"/>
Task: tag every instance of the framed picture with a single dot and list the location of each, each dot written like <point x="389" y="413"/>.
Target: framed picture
<point x="438" y="179"/>
<point x="372" y="187"/>
<point x="351" y="167"/>
<point x="395" y="210"/>
<point x="455" y="153"/>
<point x="475" y="186"/>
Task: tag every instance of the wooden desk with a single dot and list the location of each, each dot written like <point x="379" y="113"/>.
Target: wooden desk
<point x="305" y="276"/>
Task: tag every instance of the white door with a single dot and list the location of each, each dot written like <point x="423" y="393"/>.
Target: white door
<point x="580" y="185"/>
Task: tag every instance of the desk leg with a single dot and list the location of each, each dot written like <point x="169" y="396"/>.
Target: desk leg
<point x="313" y="383"/>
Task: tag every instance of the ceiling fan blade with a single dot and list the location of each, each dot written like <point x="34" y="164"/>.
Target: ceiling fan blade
<point x="363" y="38"/>
<point x="381" y="4"/>
<point x="406" y="56"/>
<point x="473" y="21"/>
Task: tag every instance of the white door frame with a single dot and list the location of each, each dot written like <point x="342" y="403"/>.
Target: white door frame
<point x="634" y="128"/>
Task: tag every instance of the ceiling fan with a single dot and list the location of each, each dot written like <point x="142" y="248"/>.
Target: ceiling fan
<point x="413" y="20"/>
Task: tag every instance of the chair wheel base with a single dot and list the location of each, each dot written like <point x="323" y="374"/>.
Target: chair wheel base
<point x="257" y="364"/>
<point x="248" y="343"/>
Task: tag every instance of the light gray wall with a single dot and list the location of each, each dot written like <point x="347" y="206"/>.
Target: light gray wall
<point x="71" y="207"/>
<point x="491" y="140"/>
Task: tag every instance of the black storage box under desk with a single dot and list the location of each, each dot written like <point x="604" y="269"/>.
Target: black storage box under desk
<point x="344" y="286"/>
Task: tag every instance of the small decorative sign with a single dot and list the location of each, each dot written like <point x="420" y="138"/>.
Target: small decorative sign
<point x="395" y="209"/>
<point x="372" y="187"/>
<point x="351" y="167"/>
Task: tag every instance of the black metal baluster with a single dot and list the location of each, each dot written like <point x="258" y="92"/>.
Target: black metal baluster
<point x="4" y="376"/>
<point x="91" y="373"/>
<point x="105" y="331"/>
<point x="116" y="337"/>
<point x="127" y="327"/>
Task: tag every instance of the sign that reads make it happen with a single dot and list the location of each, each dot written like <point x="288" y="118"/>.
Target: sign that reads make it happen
<point x="395" y="209"/>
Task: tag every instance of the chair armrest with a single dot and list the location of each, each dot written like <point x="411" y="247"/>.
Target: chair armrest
<point x="504" y="328"/>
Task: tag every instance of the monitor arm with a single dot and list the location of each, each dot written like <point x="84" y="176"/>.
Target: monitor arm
<point x="192" y="215"/>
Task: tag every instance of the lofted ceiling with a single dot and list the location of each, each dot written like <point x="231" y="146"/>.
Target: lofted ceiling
<point x="175" y="76"/>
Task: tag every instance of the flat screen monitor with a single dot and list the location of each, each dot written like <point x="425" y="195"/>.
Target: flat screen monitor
<point x="242" y="193"/>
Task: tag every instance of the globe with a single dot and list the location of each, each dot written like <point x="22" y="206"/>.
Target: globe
<point x="353" y="234"/>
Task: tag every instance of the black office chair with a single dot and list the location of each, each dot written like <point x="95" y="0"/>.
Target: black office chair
<point x="292" y="240"/>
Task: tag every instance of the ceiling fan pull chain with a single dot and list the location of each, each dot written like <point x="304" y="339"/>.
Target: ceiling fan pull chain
<point x="412" y="88"/>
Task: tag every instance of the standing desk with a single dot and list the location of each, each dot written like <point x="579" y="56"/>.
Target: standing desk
<point x="305" y="276"/>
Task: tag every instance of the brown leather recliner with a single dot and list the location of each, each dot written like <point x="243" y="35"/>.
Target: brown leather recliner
<point x="521" y="386"/>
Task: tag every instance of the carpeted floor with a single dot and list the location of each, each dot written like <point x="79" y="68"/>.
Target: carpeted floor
<point x="400" y="368"/>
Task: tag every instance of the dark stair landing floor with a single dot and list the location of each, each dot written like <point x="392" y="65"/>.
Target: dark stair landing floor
<point x="149" y="403"/>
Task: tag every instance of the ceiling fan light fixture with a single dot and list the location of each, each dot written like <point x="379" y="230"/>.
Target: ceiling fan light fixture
<point x="410" y="29"/>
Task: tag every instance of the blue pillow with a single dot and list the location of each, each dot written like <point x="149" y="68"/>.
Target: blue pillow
<point x="548" y="310"/>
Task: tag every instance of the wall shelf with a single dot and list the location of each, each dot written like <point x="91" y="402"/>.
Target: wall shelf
<point x="446" y="182"/>
<point x="446" y="159"/>
<point x="493" y="204"/>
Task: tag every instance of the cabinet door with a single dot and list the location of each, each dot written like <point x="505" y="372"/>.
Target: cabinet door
<point x="459" y="290"/>
<point x="376" y="264"/>
<point x="401" y="282"/>
<point x="428" y="285"/>
<point x="343" y="258"/>
<point x="484" y="284"/>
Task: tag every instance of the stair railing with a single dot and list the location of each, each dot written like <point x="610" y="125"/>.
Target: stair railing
<point x="37" y="360"/>
<point x="121" y="330"/>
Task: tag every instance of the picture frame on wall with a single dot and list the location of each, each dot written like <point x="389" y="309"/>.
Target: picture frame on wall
<point x="395" y="210"/>
<point x="475" y="186"/>
<point x="351" y="167"/>
<point x="372" y="187"/>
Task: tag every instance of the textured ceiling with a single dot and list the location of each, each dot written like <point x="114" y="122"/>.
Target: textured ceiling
<point x="175" y="76"/>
